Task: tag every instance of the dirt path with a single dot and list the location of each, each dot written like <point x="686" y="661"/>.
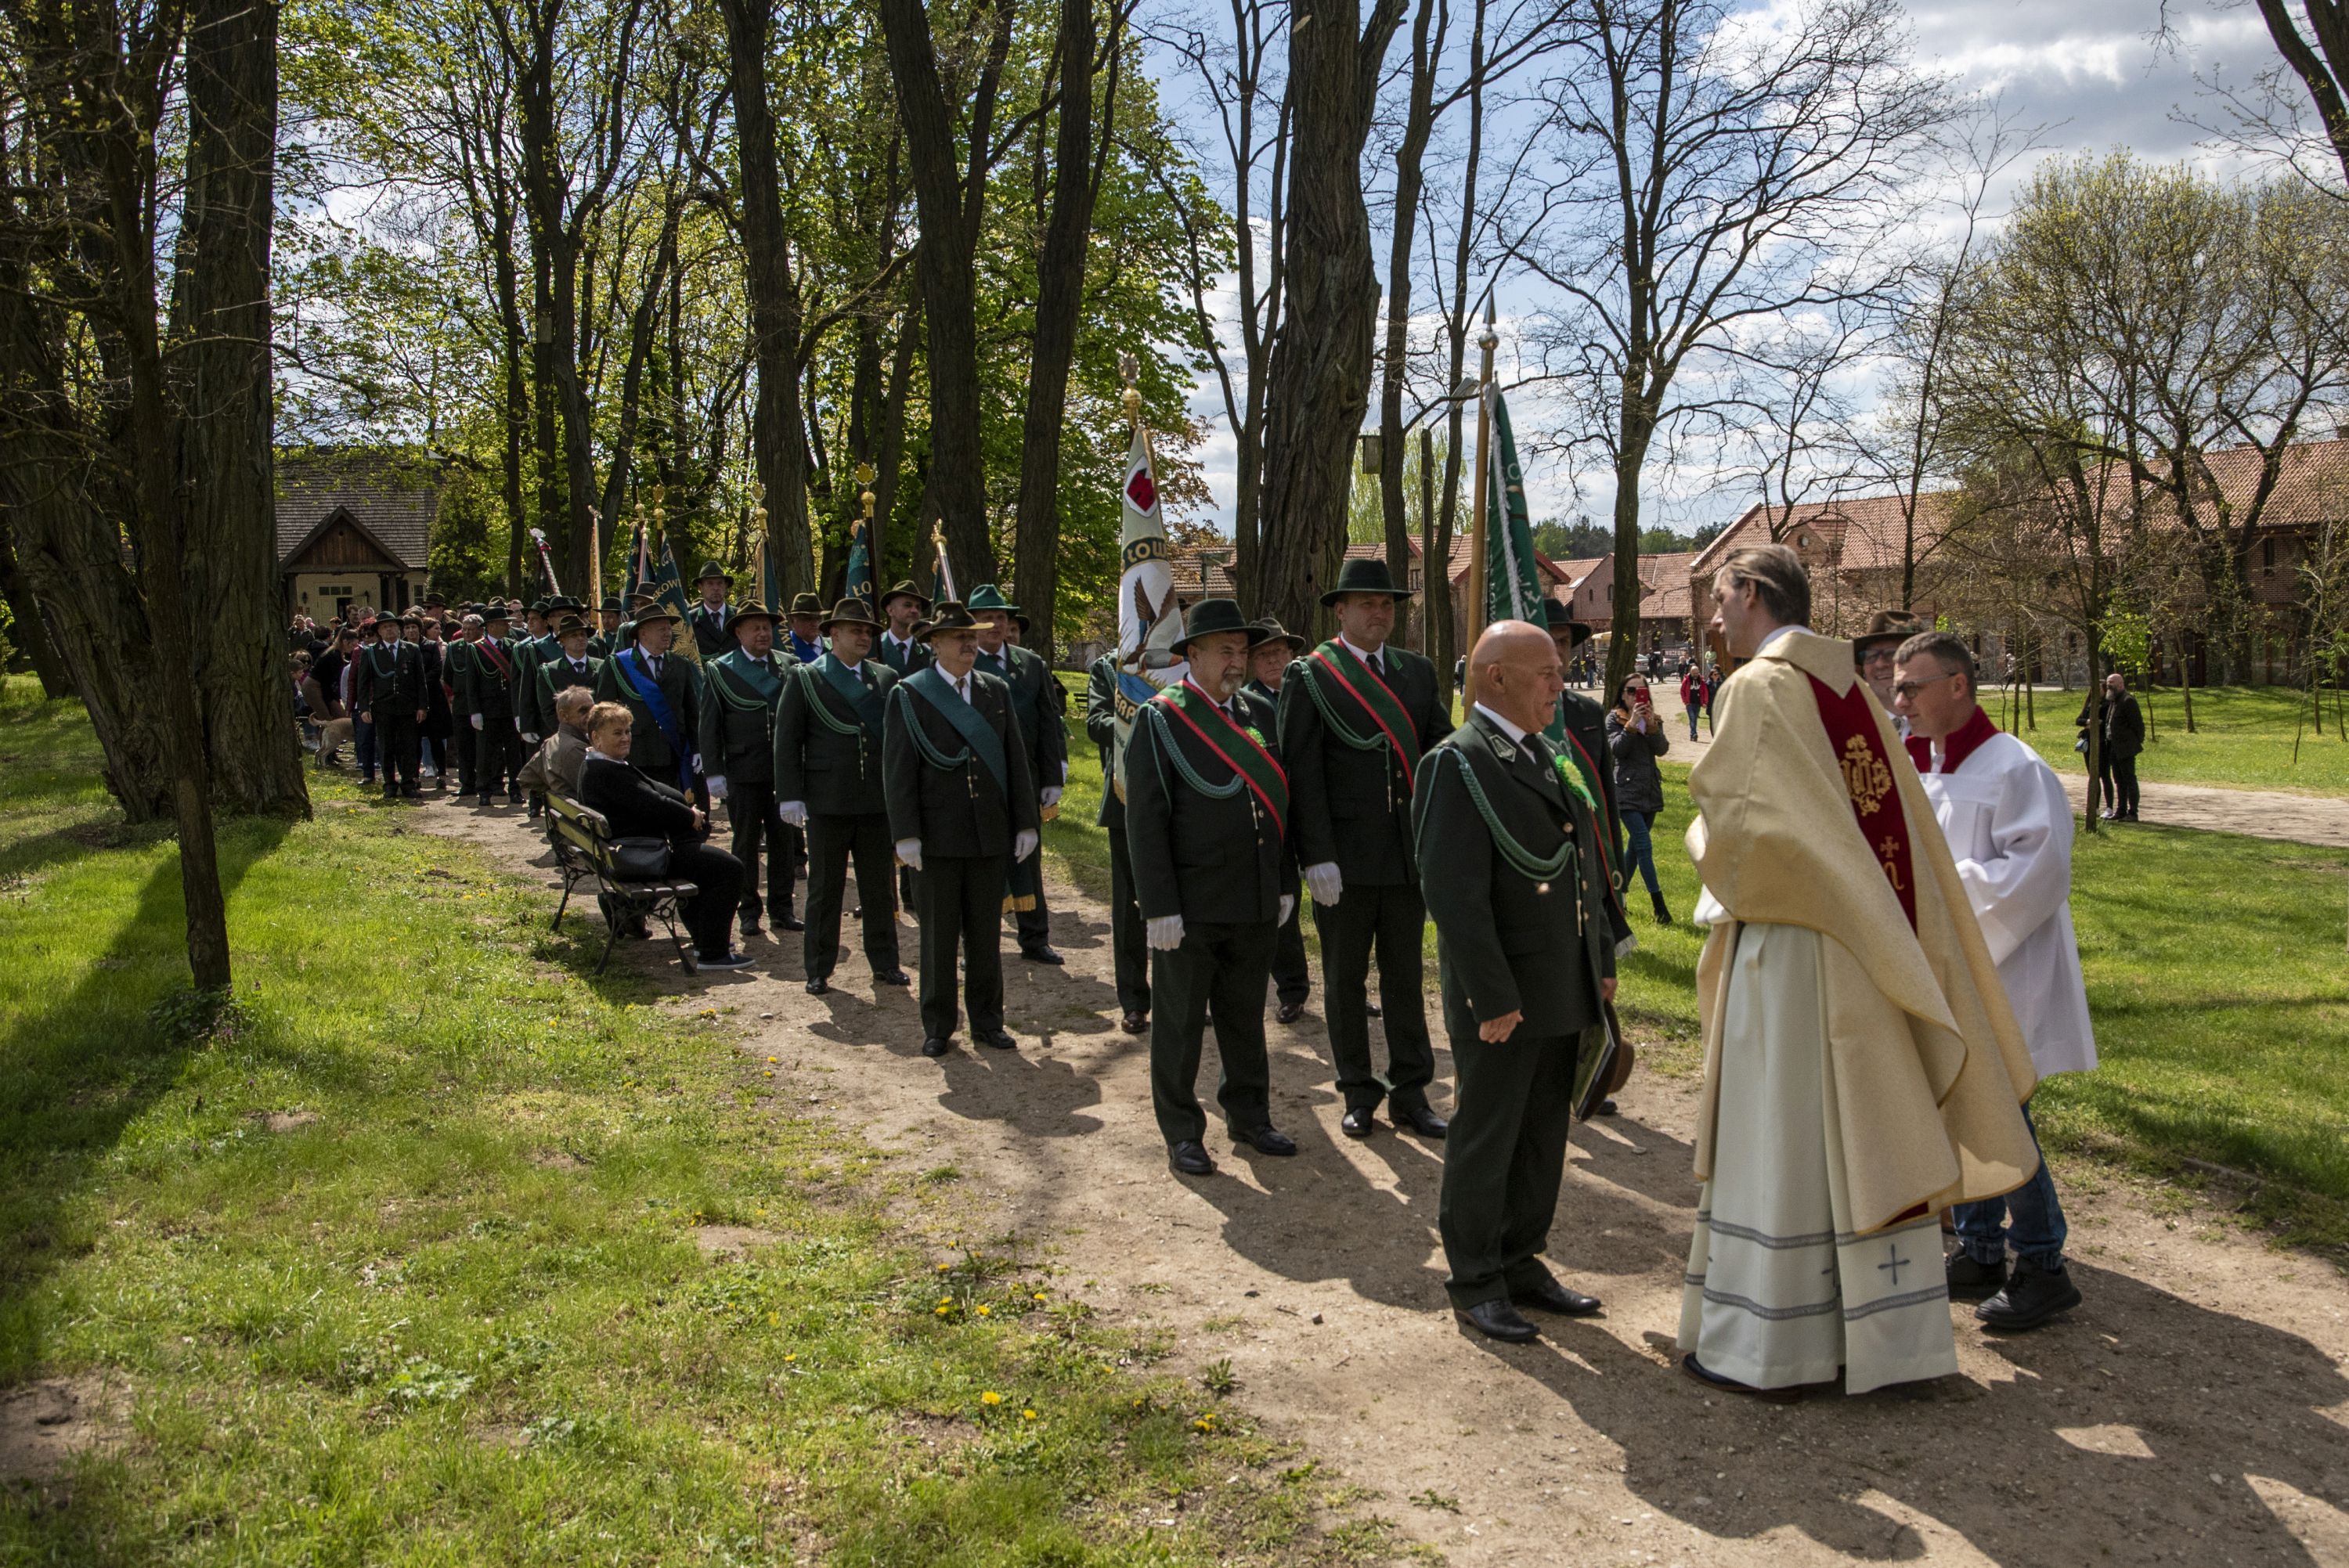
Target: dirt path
<point x="2196" y="1409"/>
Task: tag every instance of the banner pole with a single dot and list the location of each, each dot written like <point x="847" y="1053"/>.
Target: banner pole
<point x="1487" y="341"/>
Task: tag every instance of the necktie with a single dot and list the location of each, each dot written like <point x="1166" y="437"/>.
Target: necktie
<point x="657" y="664"/>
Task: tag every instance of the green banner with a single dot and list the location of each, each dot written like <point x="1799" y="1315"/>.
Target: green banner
<point x="1513" y="581"/>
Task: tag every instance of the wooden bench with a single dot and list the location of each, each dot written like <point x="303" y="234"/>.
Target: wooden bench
<point x="583" y="852"/>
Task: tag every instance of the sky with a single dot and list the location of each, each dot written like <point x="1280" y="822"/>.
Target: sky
<point x="2092" y="71"/>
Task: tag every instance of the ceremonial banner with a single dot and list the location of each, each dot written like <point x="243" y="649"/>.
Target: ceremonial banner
<point x="1148" y="620"/>
<point x="859" y="584"/>
<point x="763" y="581"/>
<point x="640" y="563"/>
<point x="1513" y="582"/>
<point x="667" y="587"/>
<point x="942" y="583"/>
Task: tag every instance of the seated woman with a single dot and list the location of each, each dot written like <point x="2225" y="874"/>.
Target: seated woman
<point x="641" y="808"/>
<point x="1636" y="736"/>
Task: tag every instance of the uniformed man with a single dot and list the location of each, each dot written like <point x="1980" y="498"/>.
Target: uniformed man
<point x="1292" y="977"/>
<point x="806" y="640"/>
<point x="1129" y="949"/>
<point x="710" y="620"/>
<point x="1579" y="732"/>
<point x="741" y="691"/>
<point x="828" y="745"/>
<point x="607" y="629"/>
<point x="962" y="810"/>
<point x="1355" y="716"/>
<point x="664" y="694"/>
<point x="488" y="700"/>
<point x="388" y="696"/>
<point x="571" y="664"/>
<point x="456" y="670"/>
<point x="434" y="647"/>
<point x="1206" y="820"/>
<point x="898" y="647"/>
<point x="1516" y="873"/>
<point x="534" y="623"/>
<point x="1047" y="749"/>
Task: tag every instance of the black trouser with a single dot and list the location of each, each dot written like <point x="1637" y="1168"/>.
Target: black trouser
<point x="2120" y="785"/>
<point x="1292" y="977"/>
<point x="751" y="810"/>
<point x="1222" y="967"/>
<point x="396" y="746"/>
<point x="960" y="900"/>
<point x="1502" y="1159"/>
<point x="467" y="747"/>
<point x="1129" y="949"/>
<point x="709" y="914"/>
<point x="500" y="754"/>
<point x="831" y="842"/>
<point x="1034" y="926"/>
<point x="1392" y="921"/>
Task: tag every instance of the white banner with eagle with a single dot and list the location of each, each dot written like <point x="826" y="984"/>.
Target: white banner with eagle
<point x="1147" y="617"/>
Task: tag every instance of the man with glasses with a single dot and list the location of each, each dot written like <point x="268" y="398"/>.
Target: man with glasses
<point x="1872" y="650"/>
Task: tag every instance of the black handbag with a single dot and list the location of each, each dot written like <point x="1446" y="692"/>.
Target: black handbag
<point x="639" y="860"/>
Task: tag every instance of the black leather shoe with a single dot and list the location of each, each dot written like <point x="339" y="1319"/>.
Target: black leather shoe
<point x="1497" y="1320"/>
<point x="1290" y="1012"/>
<point x="1973" y="1280"/>
<point x="819" y="986"/>
<point x="1044" y="953"/>
<point x="1374" y="1010"/>
<point x="936" y="1046"/>
<point x="2032" y="1296"/>
<point x="1714" y="1380"/>
<point x="1418" y="1118"/>
<point x="1189" y="1157"/>
<point x="1605" y="1107"/>
<point x="787" y="921"/>
<point x="1360" y="1122"/>
<point x="750" y="928"/>
<point x="1135" y="1023"/>
<point x="1264" y="1140"/>
<point x="1000" y="1039"/>
<point x="891" y="977"/>
<point x="1551" y="1296"/>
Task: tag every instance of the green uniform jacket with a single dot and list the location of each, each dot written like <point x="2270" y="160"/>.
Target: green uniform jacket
<point x="457" y="669"/>
<point x="905" y="661"/>
<point x="1354" y="807"/>
<point x="1212" y="862"/>
<point x="832" y="773"/>
<point x="1100" y="728"/>
<point x="488" y="689"/>
<point x="1036" y="700"/>
<point x="389" y="681"/>
<point x="958" y="810"/>
<point x="648" y="749"/>
<point x="739" y="698"/>
<point x="530" y="653"/>
<point x="713" y="630"/>
<point x="601" y="645"/>
<point x="553" y="677"/>
<point x="1507" y="942"/>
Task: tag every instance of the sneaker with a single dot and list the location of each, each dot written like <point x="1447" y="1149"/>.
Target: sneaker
<point x="1971" y="1279"/>
<point x="731" y="961"/>
<point x="2032" y="1296"/>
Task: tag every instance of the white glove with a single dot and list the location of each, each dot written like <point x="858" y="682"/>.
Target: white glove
<point x="794" y="814"/>
<point x="1165" y="932"/>
<point x="1287" y="908"/>
<point x="910" y="851"/>
<point x="1023" y="843"/>
<point x="717" y="782"/>
<point x="1324" y="882"/>
<point x="517" y="724"/>
<point x="477" y="721"/>
<point x="1052" y="796"/>
<point x="528" y="736"/>
<point x="696" y="762"/>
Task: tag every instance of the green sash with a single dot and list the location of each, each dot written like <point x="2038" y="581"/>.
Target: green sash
<point x="722" y="679"/>
<point x="859" y="696"/>
<point x="1336" y="664"/>
<point x="977" y="735"/>
<point x="1240" y="750"/>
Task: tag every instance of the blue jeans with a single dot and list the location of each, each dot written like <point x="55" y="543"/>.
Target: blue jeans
<point x="2037" y="1230"/>
<point x="1692" y="711"/>
<point x="1643" y="850"/>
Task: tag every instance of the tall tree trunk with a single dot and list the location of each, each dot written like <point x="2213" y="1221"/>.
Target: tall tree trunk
<point x="1419" y="122"/>
<point x="516" y="345"/>
<point x="1635" y="432"/>
<point x="24" y="627"/>
<point x="892" y="455"/>
<point x="1443" y="643"/>
<point x="1322" y="364"/>
<point x="225" y="414"/>
<point x="1060" y="294"/>
<point x="546" y="444"/>
<point x="950" y="203"/>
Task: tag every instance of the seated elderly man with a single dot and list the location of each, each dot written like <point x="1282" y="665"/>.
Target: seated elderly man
<point x="553" y="768"/>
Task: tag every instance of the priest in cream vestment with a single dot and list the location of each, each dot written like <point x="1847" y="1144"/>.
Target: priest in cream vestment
<point x="1863" y="1071"/>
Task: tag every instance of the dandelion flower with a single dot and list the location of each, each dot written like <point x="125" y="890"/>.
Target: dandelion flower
<point x="1039" y="1296"/>
<point x="942" y="1268"/>
<point x="984" y="1310"/>
<point x="939" y="1310"/>
<point x="990" y="1397"/>
<point x="1027" y="1415"/>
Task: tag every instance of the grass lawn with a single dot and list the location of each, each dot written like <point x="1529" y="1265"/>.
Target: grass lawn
<point x="396" y="1262"/>
<point x="2242" y="738"/>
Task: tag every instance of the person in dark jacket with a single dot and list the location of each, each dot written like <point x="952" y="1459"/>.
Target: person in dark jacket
<point x="1033" y="703"/>
<point x="828" y="741"/>
<point x="640" y="807"/>
<point x="387" y="697"/>
<point x="1579" y="732"/>
<point x="2123" y="738"/>
<point x="663" y="692"/>
<point x="905" y="609"/>
<point x="1635" y="739"/>
<point x="487" y="699"/>
<point x="740" y="690"/>
<point x="1128" y="952"/>
<point x="1292" y="977"/>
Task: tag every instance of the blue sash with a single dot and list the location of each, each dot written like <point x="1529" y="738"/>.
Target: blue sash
<point x="976" y="732"/>
<point x="648" y="691"/>
<point x="859" y="696"/>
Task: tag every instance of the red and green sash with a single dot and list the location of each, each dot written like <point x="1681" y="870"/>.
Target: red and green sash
<point x="1241" y="751"/>
<point x="1867" y="781"/>
<point x="1375" y="698"/>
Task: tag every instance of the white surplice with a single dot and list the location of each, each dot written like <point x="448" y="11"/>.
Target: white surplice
<point x="2009" y="823"/>
<point x="1779" y="1290"/>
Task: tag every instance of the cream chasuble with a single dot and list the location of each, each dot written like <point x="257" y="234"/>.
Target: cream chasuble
<point x="1862" y="1068"/>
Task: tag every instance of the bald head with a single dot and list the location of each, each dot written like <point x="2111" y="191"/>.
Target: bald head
<point x="1514" y="671"/>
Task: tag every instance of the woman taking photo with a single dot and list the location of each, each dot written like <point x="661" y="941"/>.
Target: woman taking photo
<point x="1636" y="738"/>
<point x="638" y="807"/>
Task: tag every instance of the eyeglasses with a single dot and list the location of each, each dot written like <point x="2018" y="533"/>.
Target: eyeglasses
<point x="1910" y="688"/>
<point x="1875" y="656"/>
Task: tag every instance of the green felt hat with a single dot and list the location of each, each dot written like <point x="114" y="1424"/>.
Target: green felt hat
<point x="948" y="616"/>
<point x="1363" y="575"/>
<point x="1557" y="617"/>
<point x="987" y="596"/>
<point x="806" y="604"/>
<point x="850" y="613"/>
<point x="1274" y="631"/>
<point x="710" y="569"/>
<point x="906" y="590"/>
